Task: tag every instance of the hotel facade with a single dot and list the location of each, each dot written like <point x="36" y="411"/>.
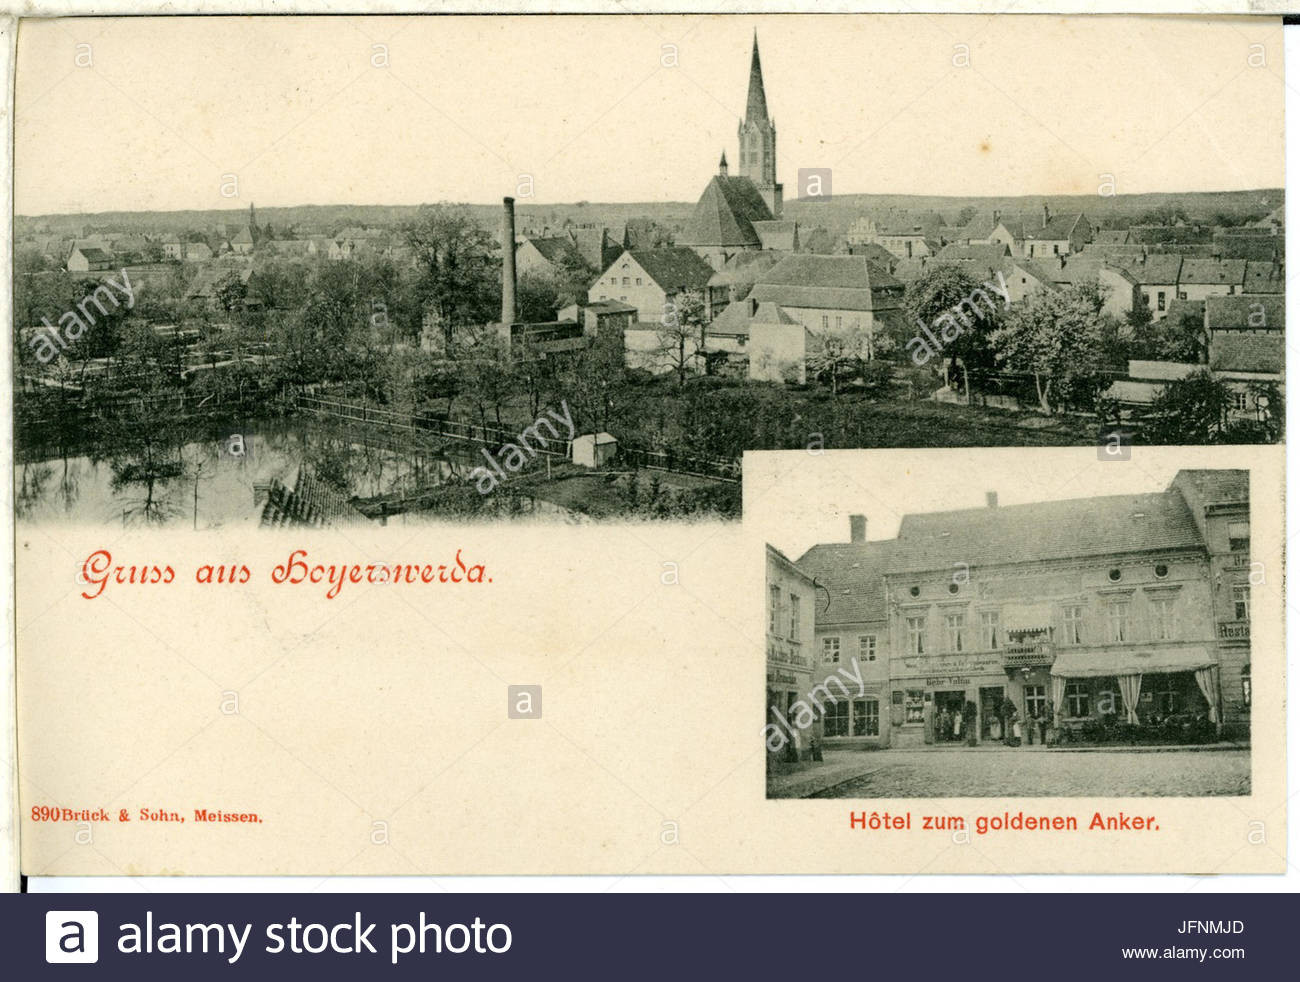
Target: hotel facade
<point x="1063" y="616"/>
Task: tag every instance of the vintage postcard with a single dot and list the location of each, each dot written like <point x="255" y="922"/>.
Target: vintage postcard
<point x="386" y="392"/>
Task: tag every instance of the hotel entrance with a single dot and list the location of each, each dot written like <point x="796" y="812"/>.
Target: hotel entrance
<point x="990" y="712"/>
<point x="947" y="708"/>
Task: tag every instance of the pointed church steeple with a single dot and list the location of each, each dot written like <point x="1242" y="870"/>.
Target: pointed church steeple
<point x="756" y="102"/>
<point x="722" y="165"/>
<point x="757" y="135"/>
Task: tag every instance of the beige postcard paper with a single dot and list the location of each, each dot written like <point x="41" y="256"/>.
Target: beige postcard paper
<point x="352" y="540"/>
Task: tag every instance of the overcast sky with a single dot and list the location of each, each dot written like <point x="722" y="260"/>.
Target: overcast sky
<point x="313" y="111"/>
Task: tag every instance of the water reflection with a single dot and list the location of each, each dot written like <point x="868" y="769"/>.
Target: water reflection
<point x="166" y="479"/>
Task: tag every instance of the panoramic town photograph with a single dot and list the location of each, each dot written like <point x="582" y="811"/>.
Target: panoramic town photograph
<point x="316" y="272"/>
<point x="1045" y="646"/>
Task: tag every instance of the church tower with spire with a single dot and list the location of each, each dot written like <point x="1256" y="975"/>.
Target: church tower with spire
<point x="757" y="134"/>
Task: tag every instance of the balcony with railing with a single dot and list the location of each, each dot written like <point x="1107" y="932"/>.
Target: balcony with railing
<point x="781" y="651"/>
<point x="1234" y="630"/>
<point x="1028" y="649"/>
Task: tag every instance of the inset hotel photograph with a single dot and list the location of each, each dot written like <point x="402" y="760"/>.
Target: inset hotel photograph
<point x="1059" y="630"/>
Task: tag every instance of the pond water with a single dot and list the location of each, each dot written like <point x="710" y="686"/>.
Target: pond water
<point x="216" y="488"/>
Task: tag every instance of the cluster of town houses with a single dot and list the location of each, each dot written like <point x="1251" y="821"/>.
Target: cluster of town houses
<point x="767" y="295"/>
<point x="1128" y="609"/>
<point x="770" y="289"/>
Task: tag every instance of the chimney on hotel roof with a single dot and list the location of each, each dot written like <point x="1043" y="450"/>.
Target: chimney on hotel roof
<point x="857" y="528"/>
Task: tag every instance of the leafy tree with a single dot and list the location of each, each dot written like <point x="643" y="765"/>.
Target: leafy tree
<point x="231" y="292"/>
<point x="1190" y="410"/>
<point x="458" y="278"/>
<point x="948" y="296"/>
<point x="538" y="297"/>
<point x="681" y="332"/>
<point x="1270" y="416"/>
<point x="837" y="356"/>
<point x="1057" y="337"/>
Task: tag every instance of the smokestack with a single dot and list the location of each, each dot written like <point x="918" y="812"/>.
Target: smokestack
<point x="508" y="261"/>
<point x="857" y="528"/>
<point x="1046" y="214"/>
<point x="991" y="497"/>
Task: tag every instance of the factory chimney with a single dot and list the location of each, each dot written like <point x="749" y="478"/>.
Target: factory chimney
<point x="508" y="261"/>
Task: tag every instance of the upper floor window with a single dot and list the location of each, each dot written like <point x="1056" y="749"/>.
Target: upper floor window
<point x="954" y="626"/>
<point x="989" y="625"/>
<point x="1074" y="624"/>
<point x="794" y="617"/>
<point x="1117" y="620"/>
<point x="1238" y="535"/>
<point x="774" y="609"/>
<point x="1241" y="602"/>
<point x="831" y="650"/>
<point x="867" y="647"/>
<point x="1162" y="618"/>
<point x="916" y="634"/>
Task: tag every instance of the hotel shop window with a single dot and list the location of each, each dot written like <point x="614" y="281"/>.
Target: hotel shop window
<point x="916" y="634"/>
<point x="1167" y="695"/>
<point x="914" y="706"/>
<point x="1161" y="614"/>
<point x="1077" y="700"/>
<point x="866" y="717"/>
<point x="774" y="610"/>
<point x="1119" y="621"/>
<point x="1241" y="603"/>
<point x="990" y="624"/>
<point x="1035" y="700"/>
<point x="836" y="721"/>
<point x="954" y="628"/>
<point x="794" y="617"/>
<point x="830" y="650"/>
<point x="867" y="647"/>
<point x="1239" y="536"/>
<point x="1074" y="624"/>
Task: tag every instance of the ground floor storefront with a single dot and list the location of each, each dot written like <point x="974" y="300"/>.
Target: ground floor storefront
<point x="1091" y="697"/>
<point x="994" y="706"/>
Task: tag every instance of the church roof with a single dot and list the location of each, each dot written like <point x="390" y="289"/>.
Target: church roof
<point x="725" y="214"/>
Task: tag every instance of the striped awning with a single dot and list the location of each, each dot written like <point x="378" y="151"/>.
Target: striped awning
<point x="1026" y="617"/>
<point x="1119" y="661"/>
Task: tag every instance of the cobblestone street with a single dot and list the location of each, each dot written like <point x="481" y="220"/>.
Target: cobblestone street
<point x="1015" y="773"/>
